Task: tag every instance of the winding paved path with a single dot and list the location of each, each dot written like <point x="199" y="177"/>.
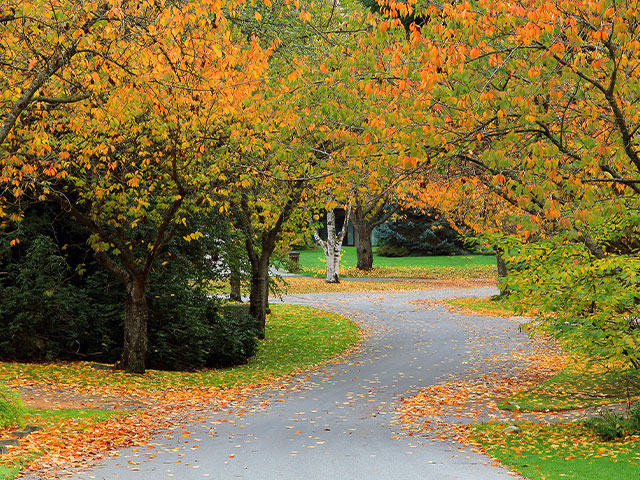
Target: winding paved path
<point x="338" y="421"/>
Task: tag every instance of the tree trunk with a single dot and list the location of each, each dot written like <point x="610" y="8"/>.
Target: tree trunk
<point x="364" y="248"/>
<point x="333" y="265"/>
<point x="259" y="297"/>
<point x="234" y="279"/>
<point x="502" y="267"/>
<point x="333" y="246"/>
<point x="136" y="315"/>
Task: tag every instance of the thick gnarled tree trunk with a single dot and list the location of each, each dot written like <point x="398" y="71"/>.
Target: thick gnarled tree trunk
<point x="366" y="216"/>
<point x="136" y="316"/>
<point x="364" y="246"/>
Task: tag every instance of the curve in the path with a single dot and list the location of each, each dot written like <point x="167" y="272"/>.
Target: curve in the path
<point x="339" y="423"/>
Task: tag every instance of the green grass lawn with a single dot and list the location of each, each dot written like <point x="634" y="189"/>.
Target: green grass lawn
<point x="578" y="386"/>
<point x="560" y="451"/>
<point x="495" y="306"/>
<point x="312" y="262"/>
<point x="11" y="468"/>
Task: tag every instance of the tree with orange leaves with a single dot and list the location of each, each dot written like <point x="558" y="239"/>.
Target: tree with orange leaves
<point x="126" y="133"/>
<point x="537" y="100"/>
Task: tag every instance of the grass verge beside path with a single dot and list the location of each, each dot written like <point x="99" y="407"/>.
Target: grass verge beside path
<point x="484" y="306"/>
<point x="580" y="385"/>
<point x="312" y="263"/>
<point x="297" y="338"/>
<point x="560" y="451"/>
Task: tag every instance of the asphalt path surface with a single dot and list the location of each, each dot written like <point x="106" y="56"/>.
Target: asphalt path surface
<point x="339" y="421"/>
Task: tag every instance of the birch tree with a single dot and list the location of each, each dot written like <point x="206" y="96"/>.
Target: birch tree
<point x="332" y="247"/>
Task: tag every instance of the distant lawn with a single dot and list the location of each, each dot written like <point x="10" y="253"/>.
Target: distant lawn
<point x="312" y="262"/>
<point x="293" y="285"/>
<point x="560" y="451"/>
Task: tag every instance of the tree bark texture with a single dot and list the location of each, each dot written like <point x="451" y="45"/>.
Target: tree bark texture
<point x="364" y="247"/>
<point x="136" y="315"/>
<point x="367" y="215"/>
<point x="234" y="279"/>
<point x="333" y="246"/>
<point x="259" y="296"/>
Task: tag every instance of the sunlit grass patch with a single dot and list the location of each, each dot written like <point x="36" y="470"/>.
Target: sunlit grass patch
<point x="560" y="451"/>
<point x="497" y="307"/>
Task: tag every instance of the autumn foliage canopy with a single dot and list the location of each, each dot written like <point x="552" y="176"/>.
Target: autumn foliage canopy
<point x="520" y="118"/>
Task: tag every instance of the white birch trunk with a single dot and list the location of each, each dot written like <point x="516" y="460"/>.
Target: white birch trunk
<point x="333" y="246"/>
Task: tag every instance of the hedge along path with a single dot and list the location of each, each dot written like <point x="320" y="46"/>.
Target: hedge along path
<point x="298" y="338"/>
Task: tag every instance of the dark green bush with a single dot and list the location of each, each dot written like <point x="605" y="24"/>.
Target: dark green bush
<point x="608" y="426"/>
<point x="188" y="329"/>
<point x="43" y="316"/>
<point x="235" y="336"/>
<point x="421" y="233"/>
